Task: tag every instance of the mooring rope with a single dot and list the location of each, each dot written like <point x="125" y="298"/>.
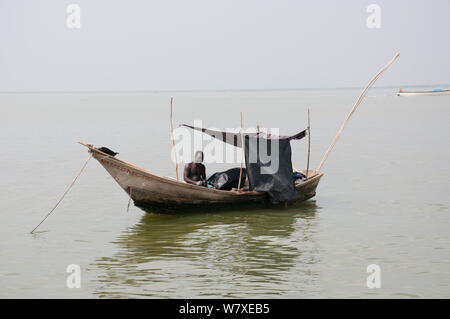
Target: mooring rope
<point x="65" y="193"/>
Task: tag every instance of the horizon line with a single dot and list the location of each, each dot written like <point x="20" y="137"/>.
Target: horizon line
<point x="208" y="90"/>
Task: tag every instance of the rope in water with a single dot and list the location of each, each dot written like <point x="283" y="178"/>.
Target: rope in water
<point x="65" y="193"/>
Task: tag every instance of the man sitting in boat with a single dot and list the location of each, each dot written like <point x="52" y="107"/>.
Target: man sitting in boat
<point x="195" y="172"/>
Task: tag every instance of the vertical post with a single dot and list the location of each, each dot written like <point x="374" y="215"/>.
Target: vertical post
<point x="171" y="137"/>
<point x="242" y="158"/>
<point x="309" y="145"/>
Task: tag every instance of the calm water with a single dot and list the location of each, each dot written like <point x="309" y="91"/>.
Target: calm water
<point x="384" y="200"/>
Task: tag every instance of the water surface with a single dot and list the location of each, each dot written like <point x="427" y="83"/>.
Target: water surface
<point x="383" y="199"/>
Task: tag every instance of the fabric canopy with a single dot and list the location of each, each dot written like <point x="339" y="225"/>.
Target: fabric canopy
<point x="267" y="158"/>
<point x="235" y="138"/>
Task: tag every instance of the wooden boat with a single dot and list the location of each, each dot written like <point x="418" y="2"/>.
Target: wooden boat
<point x="155" y="193"/>
<point x="423" y="93"/>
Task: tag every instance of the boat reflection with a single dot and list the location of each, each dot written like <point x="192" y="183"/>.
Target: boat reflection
<point x="226" y="254"/>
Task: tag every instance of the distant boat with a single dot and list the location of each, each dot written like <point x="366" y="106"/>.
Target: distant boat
<point x="424" y="93"/>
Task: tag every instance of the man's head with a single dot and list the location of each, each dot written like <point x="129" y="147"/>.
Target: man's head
<point x="198" y="157"/>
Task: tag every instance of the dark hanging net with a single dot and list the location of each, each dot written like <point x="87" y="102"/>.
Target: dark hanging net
<point x="269" y="168"/>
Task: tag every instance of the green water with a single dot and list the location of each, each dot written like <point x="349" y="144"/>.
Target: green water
<point x="383" y="200"/>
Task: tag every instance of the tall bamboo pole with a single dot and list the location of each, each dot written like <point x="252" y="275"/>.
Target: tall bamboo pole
<point x="171" y="137"/>
<point x="358" y="101"/>
<point x="309" y="145"/>
<point x="242" y="157"/>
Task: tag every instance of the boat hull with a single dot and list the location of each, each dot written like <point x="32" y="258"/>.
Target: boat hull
<point x="424" y="93"/>
<point x="154" y="193"/>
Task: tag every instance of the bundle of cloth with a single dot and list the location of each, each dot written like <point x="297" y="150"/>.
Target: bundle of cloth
<point x="298" y="175"/>
<point x="226" y="180"/>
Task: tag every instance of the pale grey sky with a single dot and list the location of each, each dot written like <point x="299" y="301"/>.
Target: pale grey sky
<point x="227" y="44"/>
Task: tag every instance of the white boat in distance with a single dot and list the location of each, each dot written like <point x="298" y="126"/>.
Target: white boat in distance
<point x="423" y="93"/>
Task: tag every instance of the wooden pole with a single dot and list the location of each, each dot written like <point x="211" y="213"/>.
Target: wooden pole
<point x="358" y="101"/>
<point x="171" y="137"/>
<point x="242" y="158"/>
<point x="309" y="145"/>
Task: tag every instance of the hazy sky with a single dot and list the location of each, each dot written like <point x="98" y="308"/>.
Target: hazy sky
<point x="227" y="44"/>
